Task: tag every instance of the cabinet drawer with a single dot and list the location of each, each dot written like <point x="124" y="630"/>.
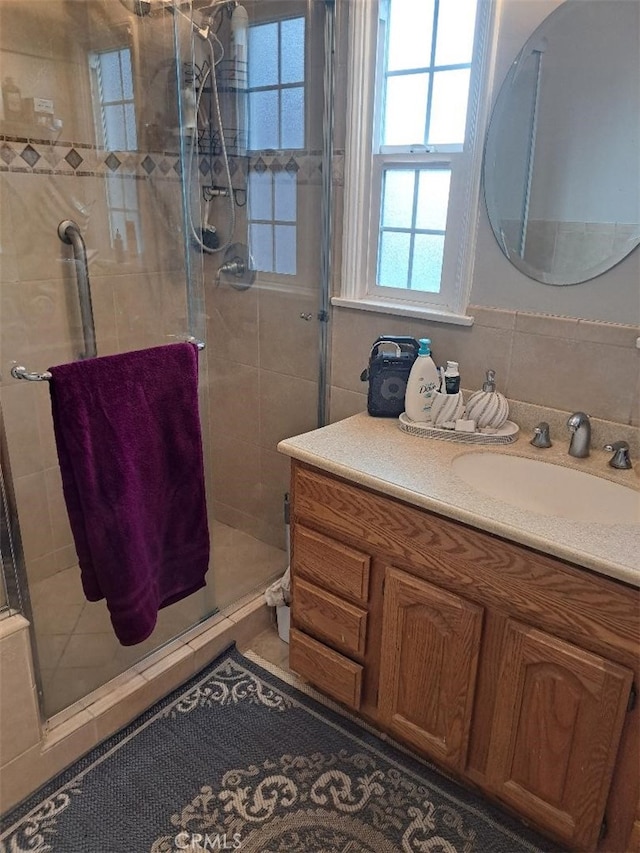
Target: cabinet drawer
<point x="331" y="564"/>
<point x="329" y="618"/>
<point x="332" y="673"/>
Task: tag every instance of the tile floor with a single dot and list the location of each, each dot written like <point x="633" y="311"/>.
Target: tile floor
<point x="270" y="647"/>
<point x="77" y="649"/>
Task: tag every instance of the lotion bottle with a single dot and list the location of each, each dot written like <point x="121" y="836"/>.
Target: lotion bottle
<point x="421" y="385"/>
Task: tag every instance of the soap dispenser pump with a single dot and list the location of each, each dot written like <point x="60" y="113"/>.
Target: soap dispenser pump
<point x="488" y="407"/>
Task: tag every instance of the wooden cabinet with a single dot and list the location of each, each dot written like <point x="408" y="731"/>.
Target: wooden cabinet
<point x="430" y="648"/>
<point x="511" y="669"/>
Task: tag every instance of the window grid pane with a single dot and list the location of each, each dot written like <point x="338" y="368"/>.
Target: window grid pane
<point x="263" y="44"/>
<point x="292" y="56"/>
<point x="410" y="34"/>
<point x="292" y="117"/>
<point x="261" y="246"/>
<point x="285" y="249"/>
<point x="393" y="264"/>
<point x="449" y="106"/>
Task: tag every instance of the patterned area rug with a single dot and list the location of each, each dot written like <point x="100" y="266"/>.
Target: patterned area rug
<point x="237" y="759"/>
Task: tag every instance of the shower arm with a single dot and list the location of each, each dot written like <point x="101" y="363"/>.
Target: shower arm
<point x="69" y="232"/>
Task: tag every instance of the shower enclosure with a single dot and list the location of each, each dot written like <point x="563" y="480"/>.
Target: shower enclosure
<point x="186" y="142"/>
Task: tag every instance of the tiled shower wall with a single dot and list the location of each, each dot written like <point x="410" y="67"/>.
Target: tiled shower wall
<point x="264" y="356"/>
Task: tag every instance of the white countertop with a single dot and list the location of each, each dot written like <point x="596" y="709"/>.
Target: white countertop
<point x="374" y="452"/>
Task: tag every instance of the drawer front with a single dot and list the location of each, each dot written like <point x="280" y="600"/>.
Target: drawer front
<point x="329" y="618"/>
<point x="332" y="673"/>
<point x="331" y="564"/>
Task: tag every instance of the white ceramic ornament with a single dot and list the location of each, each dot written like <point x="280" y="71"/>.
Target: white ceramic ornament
<point x="446" y="408"/>
<point x="488" y="407"/>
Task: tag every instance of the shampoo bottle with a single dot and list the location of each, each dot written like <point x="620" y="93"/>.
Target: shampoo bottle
<point x="421" y="385"/>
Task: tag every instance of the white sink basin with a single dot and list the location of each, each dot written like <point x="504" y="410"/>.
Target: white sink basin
<point x="548" y="489"/>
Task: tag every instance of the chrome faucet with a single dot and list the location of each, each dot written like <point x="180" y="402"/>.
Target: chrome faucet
<point x="620" y="458"/>
<point x="580" y="427"/>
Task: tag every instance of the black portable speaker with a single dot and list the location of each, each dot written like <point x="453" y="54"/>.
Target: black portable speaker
<point x="390" y="363"/>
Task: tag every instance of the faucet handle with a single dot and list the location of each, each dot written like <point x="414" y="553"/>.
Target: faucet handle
<point x="541" y="437"/>
<point x="620" y="458"/>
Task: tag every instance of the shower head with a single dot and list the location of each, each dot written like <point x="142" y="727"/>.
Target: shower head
<point x="141" y="8"/>
<point x="203" y="32"/>
<point x="138" y="7"/>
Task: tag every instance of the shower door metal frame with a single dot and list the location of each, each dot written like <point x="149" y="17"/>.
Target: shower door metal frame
<point x="12" y="561"/>
<point x="326" y="247"/>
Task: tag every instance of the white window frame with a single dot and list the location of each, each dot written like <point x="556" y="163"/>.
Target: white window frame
<point x="363" y="170"/>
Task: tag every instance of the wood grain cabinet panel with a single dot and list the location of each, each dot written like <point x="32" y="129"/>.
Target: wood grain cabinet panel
<point x="331" y="672"/>
<point x="331" y="564"/>
<point x="328" y="618"/>
<point x="555" y="734"/>
<point x="430" y="647"/>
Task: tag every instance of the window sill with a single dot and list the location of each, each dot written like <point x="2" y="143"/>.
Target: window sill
<point x="401" y="309"/>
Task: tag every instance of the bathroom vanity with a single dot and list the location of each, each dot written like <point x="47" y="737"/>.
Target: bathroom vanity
<point x="500" y="644"/>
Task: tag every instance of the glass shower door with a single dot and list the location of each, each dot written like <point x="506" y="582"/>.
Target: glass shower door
<point x="91" y="135"/>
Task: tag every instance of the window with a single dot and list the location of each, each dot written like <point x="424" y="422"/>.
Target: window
<point x="276" y="85"/>
<point x="418" y="71"/>
<point x="276" y="110"/>
<point x="272" y="215"/>
<point x="124" y="213"/>
<point x="113" y="83"/>
<point x="115" y="119"/>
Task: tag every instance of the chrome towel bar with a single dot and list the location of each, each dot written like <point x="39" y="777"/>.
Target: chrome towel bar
<point x="20" y="372"/>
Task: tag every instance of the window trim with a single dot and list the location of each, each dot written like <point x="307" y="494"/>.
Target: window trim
<point x="361" y="203"/>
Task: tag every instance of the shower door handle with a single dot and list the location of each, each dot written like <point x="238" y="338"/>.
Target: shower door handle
<point x="69" y="232"/>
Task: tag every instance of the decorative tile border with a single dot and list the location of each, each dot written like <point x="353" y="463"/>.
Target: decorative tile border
<point x="306" y="165"/>
<point x="62" y="157"/>
<point x="43" y="157"/>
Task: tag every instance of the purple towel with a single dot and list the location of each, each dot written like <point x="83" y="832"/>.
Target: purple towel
<point x="128" y="436"/>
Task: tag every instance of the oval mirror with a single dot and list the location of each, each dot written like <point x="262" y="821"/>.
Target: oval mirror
<point x="562" y="157"/>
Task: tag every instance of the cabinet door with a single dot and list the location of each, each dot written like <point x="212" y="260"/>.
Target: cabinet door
<point x="430" y="645"/>
<point x="558" y="717"/>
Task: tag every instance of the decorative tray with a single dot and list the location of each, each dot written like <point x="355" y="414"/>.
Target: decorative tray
<point x="507" y="433"/>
